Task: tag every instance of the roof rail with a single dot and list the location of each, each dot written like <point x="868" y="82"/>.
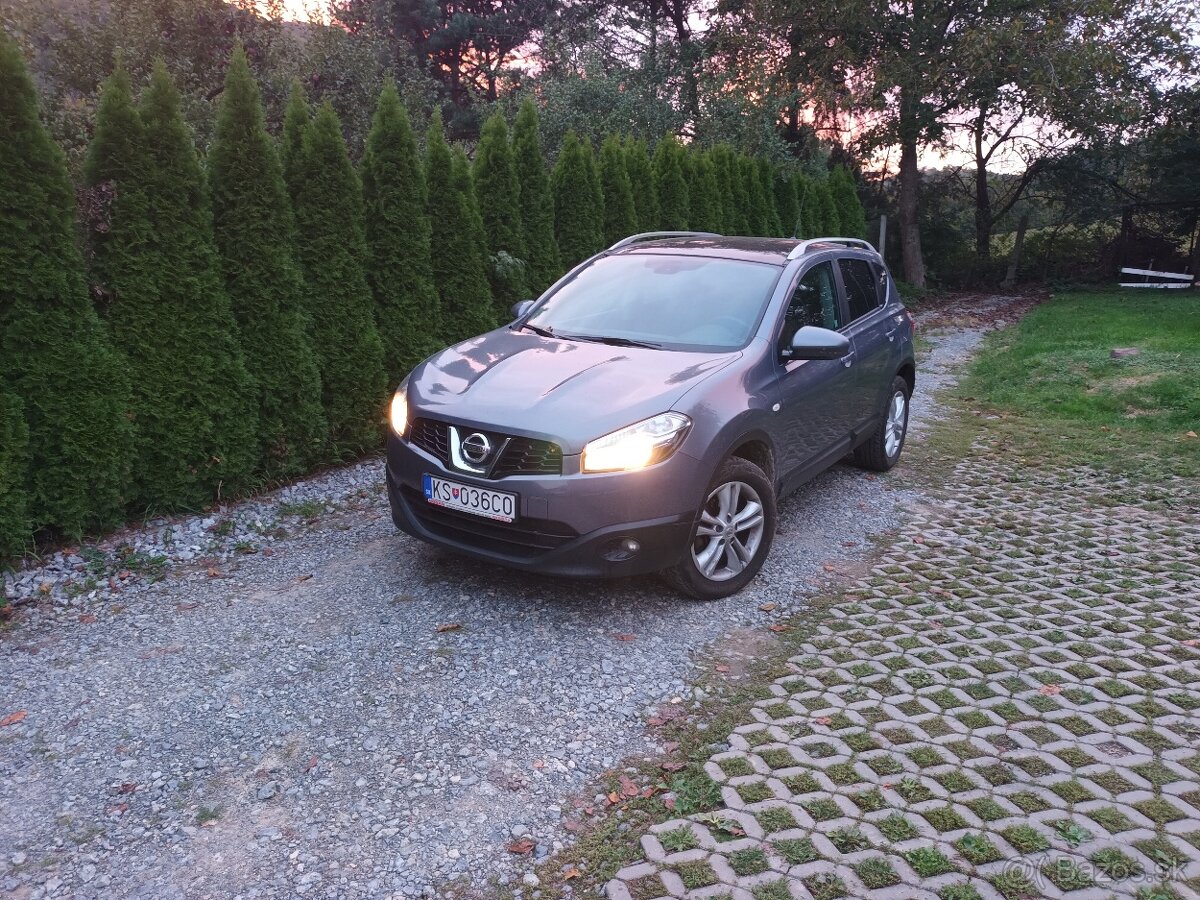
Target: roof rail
<point x="801" y="248"/>
<point x="655" y="235"/>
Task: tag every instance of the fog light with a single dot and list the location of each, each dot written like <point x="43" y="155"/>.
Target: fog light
<point x="630" y="546"/>
<point x="622" y="549"/>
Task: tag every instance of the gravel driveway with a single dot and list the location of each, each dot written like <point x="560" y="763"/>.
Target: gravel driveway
<point x="354" y="714"/>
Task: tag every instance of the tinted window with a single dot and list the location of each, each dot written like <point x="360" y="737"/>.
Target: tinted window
<point x="862" y="294"/>
<point x="813" y="302"/>
<point x="673" y="300"/>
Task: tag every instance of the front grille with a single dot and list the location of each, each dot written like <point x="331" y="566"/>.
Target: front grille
<point x="522" y="455"/>
<point x="526" y="538"/>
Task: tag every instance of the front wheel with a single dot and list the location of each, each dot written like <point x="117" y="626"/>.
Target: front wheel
<point x="732" y="534"/>
<point x="882" y="449"/>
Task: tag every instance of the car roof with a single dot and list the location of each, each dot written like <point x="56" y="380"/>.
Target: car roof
<point x="754" y="249"/>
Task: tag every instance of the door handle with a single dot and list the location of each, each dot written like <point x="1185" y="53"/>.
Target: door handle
<point x="892" y="335"/>
<point x="848" y="359"/>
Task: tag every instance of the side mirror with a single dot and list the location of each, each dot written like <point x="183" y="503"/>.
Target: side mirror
<point x="519" y="309"/>
<point x="811" y="342"/>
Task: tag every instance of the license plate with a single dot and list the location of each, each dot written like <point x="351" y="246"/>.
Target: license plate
<point x="490" y="504"/>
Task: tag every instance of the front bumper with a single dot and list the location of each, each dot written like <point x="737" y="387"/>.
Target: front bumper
<point x="566" y="524"/>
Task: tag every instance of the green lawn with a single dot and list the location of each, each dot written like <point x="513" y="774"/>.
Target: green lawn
<point x="1054" y="376"/>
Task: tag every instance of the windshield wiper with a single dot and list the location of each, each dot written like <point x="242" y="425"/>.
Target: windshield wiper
<point x="538" y="329"/>
<point x="614" y="341"/>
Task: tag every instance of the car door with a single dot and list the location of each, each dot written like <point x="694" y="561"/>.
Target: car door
<point x="872" y="335"/>
<point x="812" y="422"/>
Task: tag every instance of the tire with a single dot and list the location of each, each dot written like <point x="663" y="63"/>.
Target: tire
<point x="882" y="450"/>
<point x="738" y="484"/>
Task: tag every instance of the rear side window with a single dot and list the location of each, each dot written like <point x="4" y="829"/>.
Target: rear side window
<point x="862" y="291"/>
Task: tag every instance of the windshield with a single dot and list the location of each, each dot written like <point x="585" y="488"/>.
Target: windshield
<point x="667" y="301"/>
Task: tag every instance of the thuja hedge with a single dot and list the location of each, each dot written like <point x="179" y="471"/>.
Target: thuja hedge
<point x="250" y="308"/>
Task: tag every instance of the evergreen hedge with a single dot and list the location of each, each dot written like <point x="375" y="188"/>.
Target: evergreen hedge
<point x="851" y="217"/>
<point x="252" y="225"/>
<point x="733" y="214"/>
<point x="55" y="355"/>
<point x="458" y="264"/>
<point x="498" y="194"/>
<point x="620" y="215"/>
<point x="332" y="253"/>
<point x="772" y="227"/>
<point x="537" y="204"/>
<point x="578" y="204"/>
<point x="787" y="202"/>
<point x="15" y="530"/>
<point x="670" y="185"/>
<point x="641" y="182"/>
<point x="407" y="308"/>
<point x="704" y="195"/>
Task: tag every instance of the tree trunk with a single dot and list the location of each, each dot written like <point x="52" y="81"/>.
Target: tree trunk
<point x="910" y="233"/>
<point x="1014" y="258"/>
<point x="983" y="197"/>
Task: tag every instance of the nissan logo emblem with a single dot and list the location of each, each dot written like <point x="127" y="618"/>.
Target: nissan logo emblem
<point x="476" y="447"/>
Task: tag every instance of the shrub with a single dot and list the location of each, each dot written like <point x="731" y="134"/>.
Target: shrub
<point x="578" y="205"/>
<point x="252" y="225"/>
<point x="55" y="355"/>
<point x="537" y="205"/>
<point x="400" y="270"/>
<point x="670" y="185"/>
<point x="14" y="463"/>
<point x="620" y="216"/>
<point x="332" y="250"/>
<point x="641" y="182"/>
<point x="498" y="194"/>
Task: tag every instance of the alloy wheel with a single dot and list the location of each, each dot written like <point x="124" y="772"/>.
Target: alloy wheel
<point x="730" y="531"/>
<point x="897" y="421"/>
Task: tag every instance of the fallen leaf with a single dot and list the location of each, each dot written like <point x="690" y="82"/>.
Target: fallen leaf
<point x="669" y="802"/>
<point x="539" y="764"/>
<point x="672" y="766"/>
<point x="625" y="637"/>
<point x="779" y="627"/>
<point x="1190" y="434"/>
<point x="13" y="718"/>
<point x="214" y="572"/>
<point x="919" y="539"/>
<point x="823" y="720"/>
<point x="88" y="619"/>
<point x="450" y="626"/>
<point x="1191" y="643"/>
<point x="613" y="798"/>
<point x="312" y="764"/>
<point x="628" y="788"/>
<point x="1050" y="689"/>
<point x="127" y="788"/>
<point x="723" y="668"/>
<point x="589" y="810"/>
<point x="120" y="809"/>
<point x="522" y="847"/>
<point x="571" y="873"/>
<point x="767" y="607"/>
<point x="44" y="588"/>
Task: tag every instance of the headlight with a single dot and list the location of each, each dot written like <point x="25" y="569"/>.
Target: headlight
<point x="399" y="412"/>
<point x="636" y="446"/>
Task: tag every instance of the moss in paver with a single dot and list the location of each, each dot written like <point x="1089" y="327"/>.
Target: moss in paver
<point x="678" y="839"/>
<point x="755" y="738"/>
<point x="899" y="736"/>
<point x="959" y="892"/>
<point x="896" y="828"/>
<point x="885" y="765"/>
<point x="975" y="719"/>
<point x="1110" y="819"/>
<point x="912" y="790"/>
<point x="998" y="774"/>
<point x="849" y="840"/>
<point x="1112" y="716"/>
<point x="977" y="849"/>
<point x="1034" y="766"/>
<point x="1077" y="725"/>
<point x="825" y="886"/>
<point x="756" y="792"/>
<point x="1156" y="773"/>
<point x="648" y="888"/>
<point x="1071" y="832"/>
<point x="926" y="757"/>
<point x="779" y="711"/>
<point x="987" y="809"/>
<point x="1158" y="811"/>
<point x="1066" y="874"/>
<point x="876" y="872"/>
<point x="869" y="801"/>
<point x="936" y="727"/>
<point x="928" y="862"/>
<point x="797" y="852"/>
<point x="1113" y="782"/>
<point x="1025" y="838"/>
<point x="1075" y="758"/>
<point x="801" y="784"/>
<point x="1072" y="791"/>
<point x="735" y="766"/>
<point x="843" y="774"/>
<point x="944" y="819"/>
<point x="1013" y="885"/>
<point x="1115" y="864"/>
<point x="777" y="758"/>
<point x="772" y="890"/>
<point x="1155" y="740"/>
<point x="964" y="750"/>
<point x="778" y="818"/>
<point x="822" y="809"/>
<point x="696" y="874"/>
<point x="860" y="741"/>
<point x="1040" y="735"/>
<point x="748" y="862"/>
<point x="820" y="750"/>
<point x="1162" y="851"/>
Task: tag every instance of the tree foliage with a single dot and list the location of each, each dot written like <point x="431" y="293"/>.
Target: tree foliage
<point x="852" y="220"/>
<point x="536" y="202"/>
<point x="578" y="203"/>
<point x="252" y="226"/>
<point x="400" y="269"/>
<point x="498" y="193"/>
<point x="55" y="356"/>
<point x="620" y="216"/>
<point x="670" y="184"/>
<point x="332" y="252"/>
<point x="641" y="182"/>
<point x="15" y="530"/>
<point x="458" y="265"/>
<point x="704" y="194"/>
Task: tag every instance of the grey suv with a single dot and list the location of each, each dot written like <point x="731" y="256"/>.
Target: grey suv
<point x="647" y="412"/>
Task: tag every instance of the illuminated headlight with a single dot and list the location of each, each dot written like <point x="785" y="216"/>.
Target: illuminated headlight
<point x="636" y="446"/>
<point x="399" y="411"/>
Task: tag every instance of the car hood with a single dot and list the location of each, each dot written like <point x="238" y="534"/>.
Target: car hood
<point x="567" y="391"/>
